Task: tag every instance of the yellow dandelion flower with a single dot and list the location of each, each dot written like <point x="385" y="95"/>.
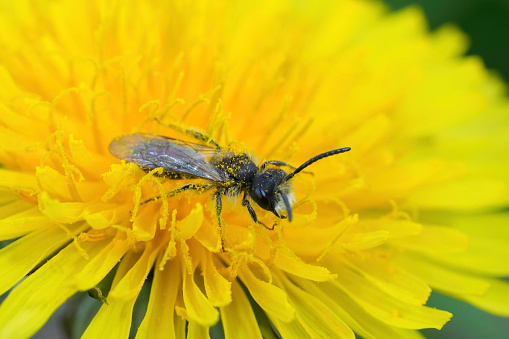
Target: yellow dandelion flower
<point x="413" y="207"/>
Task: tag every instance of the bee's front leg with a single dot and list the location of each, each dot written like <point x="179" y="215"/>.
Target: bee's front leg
<point x="252" y="213"/>
<point x="178" y="190"/>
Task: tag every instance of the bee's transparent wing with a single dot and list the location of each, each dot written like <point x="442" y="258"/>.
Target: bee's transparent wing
<point x="173" y="155"/>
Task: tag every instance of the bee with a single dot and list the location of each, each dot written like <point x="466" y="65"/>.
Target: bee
<point x="225" y="172"/>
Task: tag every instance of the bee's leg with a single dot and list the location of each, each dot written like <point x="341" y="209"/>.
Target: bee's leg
<point x="219" y="208"/>
<point x="201" y="136"/>
<point x="191" y="132"/>
<point x="174" y="192"/>
<point x="275" y="163"/>
<point x="252" y="213"/>
<point x="279" y="163"/>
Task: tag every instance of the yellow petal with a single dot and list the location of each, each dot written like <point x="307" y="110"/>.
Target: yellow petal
<point x="318" y="319"/>
<point x="17" y="180"/>
<point x="195" y="330"/>
<point x="86" y="160"/>
<point x="388" y="277"/>
<point x="7" y="198"/>
<point x="310" y="241"/>
<point x="395" y="228"/>
<point x="218" y="288"/>
<point x="198" y="308"/>
<point x="368" y="135"/>
<point x="208" y="236"/>
<point x="464" y="99"/>
<point x="114" y="319"/>
<point x="486" y="256"/>
<point x="239" y="312"/>
<point x="22" y="133"/>
<point x="363" y="241"/>
<point x="443" y="278"/>
<point x="363" y="323"/>
<point x="487" y="245"/>
<point x="180" y="326"/>
<point x="99" y="266"/>
<point x="404" y="178"/>
<point x="382" y="305"/>
<point x="14" y="142"/>
<point x="19" y="257"/>
<point x="158" y="321"/>
<point x="271" y="298"/>
<point x="10" y="85"/>
<point x="132" y="273"/>
<point x="496" y="299"/>
<point x="62" y="212"/>
<point x="145" y="223"/>
<point x="191" y="223"/>
<point x="54" y="182"/>
<point x="19" y="224"/>
<point x="120" y="177"/>
<point x="465" y="195"/>
<point x="450" y="41"/>
<point x="291" y="329"/>
<point x="37" y="297"/>
<point x="101" y="215"/>
<point x="60" y="186"/>
<point x="294" y="265"/>
<point x="436" y="240"/>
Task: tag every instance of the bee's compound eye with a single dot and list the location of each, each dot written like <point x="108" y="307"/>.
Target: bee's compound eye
<point x="261" y="197"/>
<point x="264" y="187"/>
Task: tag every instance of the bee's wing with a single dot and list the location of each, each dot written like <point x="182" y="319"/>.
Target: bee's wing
<point x="153" y="151"/>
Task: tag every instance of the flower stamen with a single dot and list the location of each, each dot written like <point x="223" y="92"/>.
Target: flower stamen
<point x="277" y="121"/>
<point x="76" y="240"/>
<point x="137" y="195"/>
<point x="171" y="250"/>
<point x="68" y="168"/>
<point x="152" y="115"/>
<point x="350" y="220"/>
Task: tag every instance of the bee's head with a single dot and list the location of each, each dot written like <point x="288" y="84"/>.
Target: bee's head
<point x="271" y="192"/>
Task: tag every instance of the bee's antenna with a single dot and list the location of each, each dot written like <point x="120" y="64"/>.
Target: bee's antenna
<point x="314" y="159"/>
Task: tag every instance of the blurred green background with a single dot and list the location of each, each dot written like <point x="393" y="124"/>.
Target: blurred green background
<point x="486" y="22"/>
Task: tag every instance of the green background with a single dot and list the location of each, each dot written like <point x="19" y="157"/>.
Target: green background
<point x="486" y="22"/>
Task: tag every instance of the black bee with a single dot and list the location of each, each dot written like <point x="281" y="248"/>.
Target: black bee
<point x="227" y="172"/>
